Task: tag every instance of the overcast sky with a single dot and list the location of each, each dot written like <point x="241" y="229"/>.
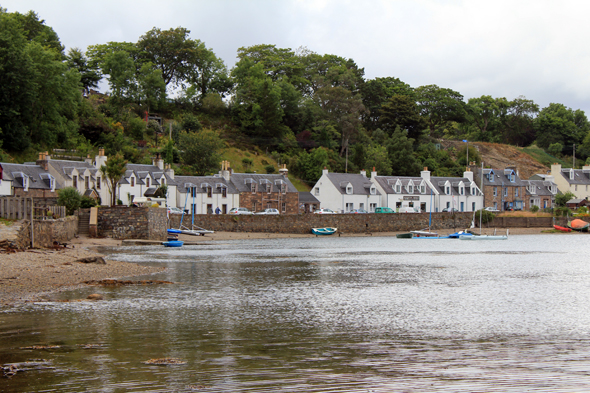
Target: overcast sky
<point x="502" y="48"/>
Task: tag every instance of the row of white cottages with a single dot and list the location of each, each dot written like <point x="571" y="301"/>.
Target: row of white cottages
<point x="343" y="192"/>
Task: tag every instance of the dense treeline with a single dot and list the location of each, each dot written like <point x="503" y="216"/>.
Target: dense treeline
<point x="305" y="109"/>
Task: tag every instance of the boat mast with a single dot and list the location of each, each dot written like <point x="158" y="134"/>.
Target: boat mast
<point x="482" y="208"/>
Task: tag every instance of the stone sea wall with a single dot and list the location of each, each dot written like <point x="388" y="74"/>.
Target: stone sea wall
<point x="122" y="222"/>
<point x="59" y="230"/>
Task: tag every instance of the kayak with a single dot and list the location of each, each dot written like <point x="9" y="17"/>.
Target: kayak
<point x="562" y="229"/>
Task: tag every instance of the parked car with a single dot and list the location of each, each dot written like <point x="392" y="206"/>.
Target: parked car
<point x="269" y="211"/>
<point x="406" y="209"/>
<point x="450" y="209"/>
<point x="240" y="210"/>
<point x="358" y="211"/>
<point x="174" y="210"/>
<point x="491" y="209"/>
<point x="324" y="211"/>
<point x="384" y="210"/>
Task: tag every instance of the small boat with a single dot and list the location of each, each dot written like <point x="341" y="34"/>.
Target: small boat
<point x="424" y="234"/>
<point x="408" y="235"/>
<point x="578" y="225"/>
<point x="562" y="229"/>
<point x="323" y="231"/>
<point x="173" y="243"/>
<point x="483" y="237"/>
<point x="457" y="235"/>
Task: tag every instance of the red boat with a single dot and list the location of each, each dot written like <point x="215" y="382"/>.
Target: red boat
<point x="578" y="225"/>
<point x="562" y="229"/>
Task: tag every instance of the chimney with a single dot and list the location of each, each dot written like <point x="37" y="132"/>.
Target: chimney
<point x="364" y="173"/>
<point x="225" y="170"/>
<point x="43" y="160"/>
<point x="100" y="159"/>
<point x="468" y="174"/>
<point x="169" y="171"/>
<point x="284" y="171"/>
<point x="158" y="161"/>
<point x="88" y="160"/>
<point x="425" y="174"/>
<point x="373" y="174"/>
<point x="324" y="171"/>
<point x="555" y="170"/>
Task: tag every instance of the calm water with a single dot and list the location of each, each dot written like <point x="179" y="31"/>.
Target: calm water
<point x="335" y="314"/>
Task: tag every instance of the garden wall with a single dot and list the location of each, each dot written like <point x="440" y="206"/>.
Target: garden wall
<point x="122" y="222"/>
<point x="59" y="230"/>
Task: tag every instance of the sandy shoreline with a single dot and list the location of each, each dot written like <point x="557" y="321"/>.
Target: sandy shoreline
<point x="32" y="275"/>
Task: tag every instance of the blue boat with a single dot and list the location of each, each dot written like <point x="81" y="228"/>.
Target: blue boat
<point x="323" y="231"/>
<point x="173" y="243"/>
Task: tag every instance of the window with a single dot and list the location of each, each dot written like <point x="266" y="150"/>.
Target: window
<point x="86" y="182"/>
<point x="209" y="192"/>
<point x="472" y="206"/>
<point x="254" y="206"/>
<point x="473" y="192"/>
<point x="283" y="188"/>
<point x="147" y="181"/>
<point x="362" y="206"/>
<point x="193" y="191"/>
<point x="349" y="206"/>
<point x="163" y="181"/>
<point x="422" y="189"/>
<point x="349" y="190"/>
<point x="224" y="192"/>
<point x="495" y="191"/>
<point x="372" y="207"/>
<point x="461" y="191"/>
<point x="283" y="207"/>
<point x="373" y="190"/>
<point x="223" y="209"/>
<point x="448" y="205"/>
<point x="506" y="192"/>
<point x="398" y="188"/>
<point x="75" y="181"/>
<point x="447" y="190"/>
<point x="98" y="183"/>
<point x="410" y="189"/>
<point x="209" y="209"/>
<point x="462" y="206"/>
<point x="495" y="205"/>
<point x="491" y="176"/>
<point x="516" y="192"/>
<point x="317" y="191"/>
<point x="132" y="180"/>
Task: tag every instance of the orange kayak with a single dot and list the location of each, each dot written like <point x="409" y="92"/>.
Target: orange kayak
<point x="562" y="229"/>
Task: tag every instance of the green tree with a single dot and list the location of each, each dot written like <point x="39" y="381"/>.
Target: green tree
<point x="70" y="198"/>
<point x="486" y="113"/>
<point x="112" y="172"/>
<point x="308" y="166"/>
<point x="89" y="75"/>
<point x="201" y="151"/>
<point x="439" y="107"/>
<point x="401" y="154"/>
<point x="401" y="111"/>
<point x="559" y="124"/>
<point x="151" y="87"/>
<point x="378" y="158"/>
<point x="562" y="199"/>
<point x="376" y="92"/>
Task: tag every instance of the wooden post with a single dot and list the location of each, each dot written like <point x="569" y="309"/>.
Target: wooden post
<point x="32" y="228"/>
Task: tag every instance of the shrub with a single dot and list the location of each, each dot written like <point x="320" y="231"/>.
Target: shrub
<point x="87" y="202"/>
<point x="270" y="169"/>
<point x="486" y="216"/>
<point x="534" y="208"/>
<point x="562" y="211"/>
<point x="70" y="198"/>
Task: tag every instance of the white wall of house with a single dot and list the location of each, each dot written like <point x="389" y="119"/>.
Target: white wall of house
<point x="200" y="201"/>
<point x="5" y="188"/>
<point x="581" y="191"/>
<point x="325" y="191"/>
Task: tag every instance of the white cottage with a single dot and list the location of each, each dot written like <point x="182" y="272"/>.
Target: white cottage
<point x="343" y="192"/>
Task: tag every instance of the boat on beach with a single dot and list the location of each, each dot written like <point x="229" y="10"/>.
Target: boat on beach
<point x="323" y="231"/>
<point x="407" y="235"/>
<point x="173" y="243"/>
<point x="578" y="225"/>
<point x="471" y="236"/>
<point x="562" y="229"/>
<point x="423" y="233"/>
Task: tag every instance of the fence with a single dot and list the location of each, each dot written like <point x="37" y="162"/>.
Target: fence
<point x="21" y="208"/>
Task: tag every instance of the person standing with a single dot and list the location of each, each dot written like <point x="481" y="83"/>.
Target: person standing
<point x="217" y="210"/>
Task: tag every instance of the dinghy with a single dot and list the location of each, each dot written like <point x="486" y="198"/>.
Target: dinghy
<point x="323" y="231"/>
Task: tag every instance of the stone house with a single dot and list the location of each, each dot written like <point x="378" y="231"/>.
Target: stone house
<point x="262" y="191"/>
<point x="577" y="181"/>
<point x="541" y="193"/>
<point x="503" y="189"/>
<point x="343" y="192"/>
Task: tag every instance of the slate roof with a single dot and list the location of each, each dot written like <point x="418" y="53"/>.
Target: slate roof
<point x="388" y="184"/>
<point x="202" y="181"/>
<point x="241" y="181"/>
<point x="501" y="178"/>
<point x="361" y="185"/>
<point x="307" y="197"/>
<point x="438" y="182"/>
<point x="541" y="187"/>
<point x="581" y="176"/>
<point x="12" y="172"/>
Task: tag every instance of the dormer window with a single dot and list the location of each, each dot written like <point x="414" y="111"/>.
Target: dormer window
<point x="147" y="181"/>
<point x="373" y="190"/>
<point x="461" y="190"/>
<point x="571" y="174"/>
<point x="26" y="183"/>
<point x="410" y="189"/>
<point x="447" y="190"/>
<point x="132" y="181"/>
<point x="473" y="190"/>
<point x="422" y="189"/>
<point x="349" y="189"/>
<point x="209" y="192"/>
<point x="491" y="176"/>
<point x="398" y="188"/>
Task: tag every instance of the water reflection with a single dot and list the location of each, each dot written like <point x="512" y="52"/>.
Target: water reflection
<point x="313" y="315"/>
